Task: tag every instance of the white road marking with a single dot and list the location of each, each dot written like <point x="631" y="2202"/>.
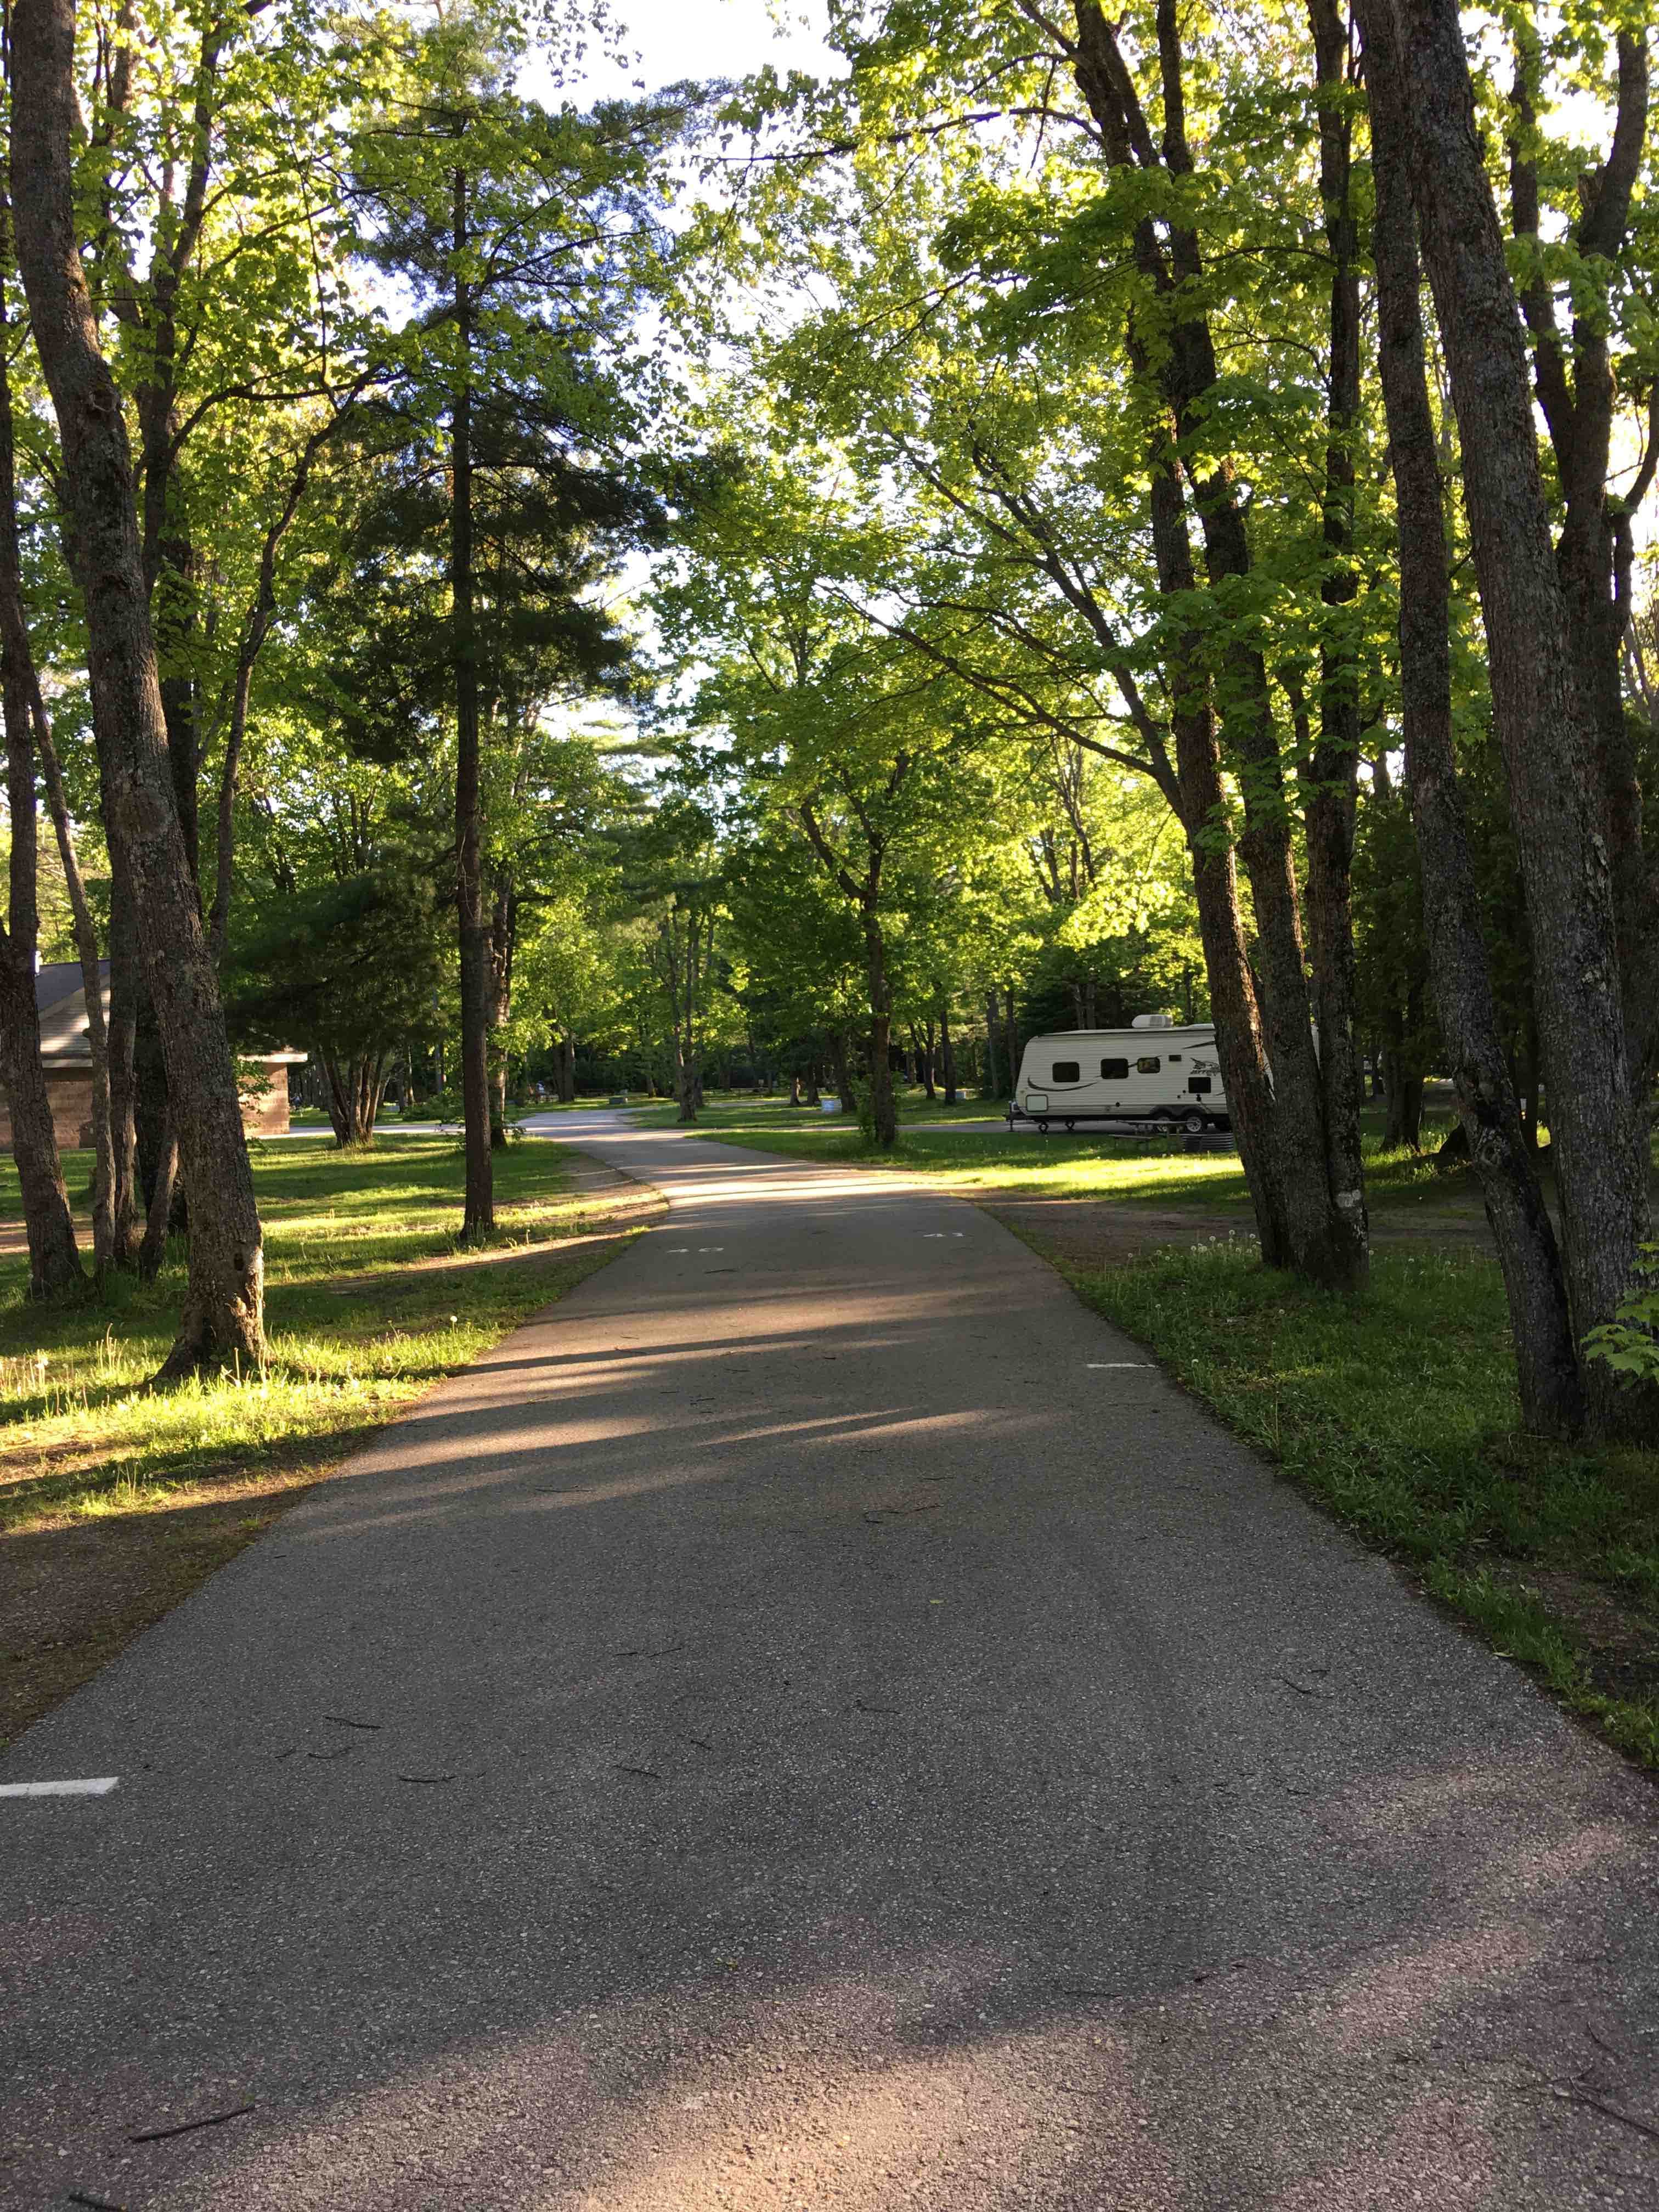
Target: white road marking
<point x="711" y="1247"/>
<point x="94" y="1785"/>
<point x="1100" y="1366"/>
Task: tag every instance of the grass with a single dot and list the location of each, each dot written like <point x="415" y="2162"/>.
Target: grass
<point x="1148" y="1171"/>
<point x="368" y="1304"/>
<point x="1396" y="1411"/>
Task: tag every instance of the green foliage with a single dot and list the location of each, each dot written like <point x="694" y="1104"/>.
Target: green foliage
<point x="1629" y="1343"/>
<point x="352" y="968"/>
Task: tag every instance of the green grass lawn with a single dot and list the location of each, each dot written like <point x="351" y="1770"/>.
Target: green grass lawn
<point x="355" y="1328"/>
<point x="1151" y="1171"/>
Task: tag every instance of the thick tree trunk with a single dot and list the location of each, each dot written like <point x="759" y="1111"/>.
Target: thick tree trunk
<point x="947" y="1053"/>
<point x="223" y="1317"/>
<point x="993" y="1081"/>
<point x="568" y="1070"/>
<point x="478" y="1219"/>
<point x="1552" y="1400"/>
<point x="1545" y="730"/>
<point x="1011" y="1038"/>
<point x="795" y="1098"/>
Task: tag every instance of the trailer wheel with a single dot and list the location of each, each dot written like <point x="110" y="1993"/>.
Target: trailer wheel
<point x="1193" y="1123"/>
<point x="1070" y="1126"/>
<point x="1043" y="1128"/>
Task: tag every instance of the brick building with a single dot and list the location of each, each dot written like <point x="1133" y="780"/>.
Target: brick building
<point x="68" y="1058"/>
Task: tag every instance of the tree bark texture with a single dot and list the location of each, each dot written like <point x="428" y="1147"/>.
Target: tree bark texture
<point x="1202" y="808"/>
<point x="223" y="1317"/>
<point x="1330" y="777"/>
<point x="122" y="1045"/>
<point x="478" y="1219"/>
<point x="1545" y="730"/>
<point x="1552" y="1402"/>
<point x="1576" y="389"/>
<point x="355" y="1089"/>
<point x="54" y="1260"/>
<point x="153" y="1251"/>
<point x="1311" y="1207"/>
<point x="947" y="1053"/>
<point x="86" y="943"/>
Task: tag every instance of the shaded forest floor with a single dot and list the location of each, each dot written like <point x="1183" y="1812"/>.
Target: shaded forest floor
<point x="1395" y="1410"/>
<point x="115" y="1503"/>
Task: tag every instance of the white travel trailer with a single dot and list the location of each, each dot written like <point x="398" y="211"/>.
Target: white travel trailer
<point x="1154" y="1072"/>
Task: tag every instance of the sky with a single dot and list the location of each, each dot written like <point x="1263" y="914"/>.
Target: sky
<point x="679" y="39"/>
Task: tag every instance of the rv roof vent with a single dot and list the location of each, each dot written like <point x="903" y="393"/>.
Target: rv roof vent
<point x="1154" y="1022"/>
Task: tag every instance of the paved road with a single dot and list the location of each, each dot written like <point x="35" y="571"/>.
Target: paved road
<point x="814" y="1720"/>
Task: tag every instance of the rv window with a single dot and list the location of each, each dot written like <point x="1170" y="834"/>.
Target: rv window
<point x="1149" y="1067"/>
<point x="1066" y="1071"/>
<point x="1200" y="1085"/>
<point x="1174" y="1058"/>
<point x="1114" y="1071"/>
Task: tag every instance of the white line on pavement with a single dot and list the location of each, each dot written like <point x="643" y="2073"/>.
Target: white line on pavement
<point x="92" y="1785"/>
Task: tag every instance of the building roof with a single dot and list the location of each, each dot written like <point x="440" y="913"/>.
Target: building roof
<point x="62" y="1004"/>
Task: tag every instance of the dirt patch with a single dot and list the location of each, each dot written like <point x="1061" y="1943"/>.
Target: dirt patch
<point x="72" y="1597"/>
<point x="1617" y="1637"/>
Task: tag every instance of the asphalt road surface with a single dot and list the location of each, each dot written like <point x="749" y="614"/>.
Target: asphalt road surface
<point x="816" y="1720"/>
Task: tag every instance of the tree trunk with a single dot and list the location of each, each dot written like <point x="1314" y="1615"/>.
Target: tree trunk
<point x="884" y="1112"/>
<point x="54" y="1260"/>
<point x="841" y="1056"/>
<point x="1203" y="813"/>
<point x="154" y="1250"/>
<point x="1545" y="730"/>
<point x="993" y="1079"/>
<point x="928" y="1059"/>
<point x="123" y="1064"/>
<point x="1010" y="1039"/>
<point x="1330" y="782"/>
<point x="947" y="1053"/>
<point x="223" y="1317"/>
<point x="795" y="1098"/>
<point x="1547" y="1365"/>
<point x="1306" y="1222"/>
<point x="478" y="1218"/>
<point x="92" y="985"/>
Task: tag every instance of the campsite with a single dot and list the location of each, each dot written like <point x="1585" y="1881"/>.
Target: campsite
<point x="828" y="1037"/>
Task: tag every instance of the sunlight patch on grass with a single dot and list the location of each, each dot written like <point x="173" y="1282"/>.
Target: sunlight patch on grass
<point x="357" y="1329"/>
